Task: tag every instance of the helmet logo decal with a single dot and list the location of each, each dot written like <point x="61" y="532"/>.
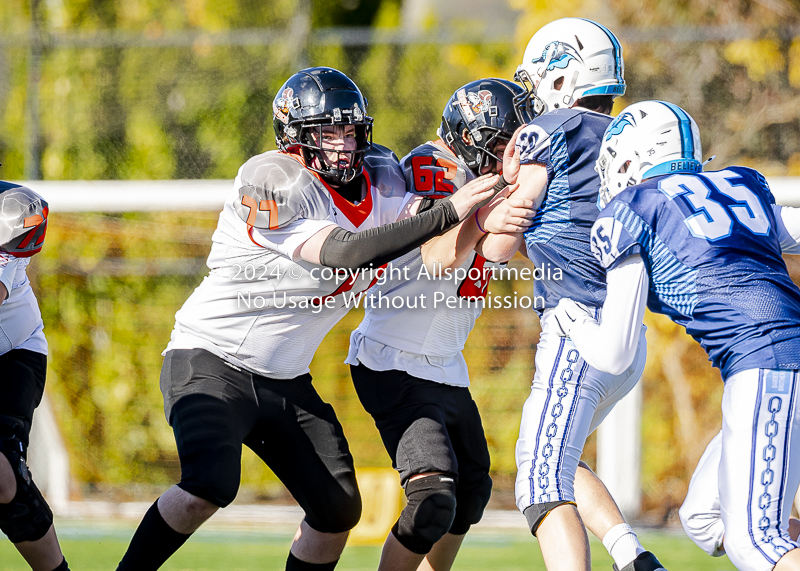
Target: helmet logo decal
<point x="358" y="115"/>
<point x="465" y="105"/>
<point x="281" y="105"/>
<point x="557" y="55"/>
<point x="619" y="124"/>
<point x="480" y="102"/>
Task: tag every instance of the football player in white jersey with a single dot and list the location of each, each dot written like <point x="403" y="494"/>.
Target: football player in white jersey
<point x="573" y="70"/>
<point x="406" y="358"/>
<point x="236" y="370"/>
<point x="25" y="517"/>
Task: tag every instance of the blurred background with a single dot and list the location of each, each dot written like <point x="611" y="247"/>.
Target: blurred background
<point x="182" y="89"/>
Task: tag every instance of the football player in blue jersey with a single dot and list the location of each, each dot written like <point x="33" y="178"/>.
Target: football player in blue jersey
<point x="572" y="70"/>
<point x="705" y="249"/>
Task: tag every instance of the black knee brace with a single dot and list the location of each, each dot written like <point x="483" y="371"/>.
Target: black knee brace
<point x="429" y="513"/>
<point x="536" y="513"/>
<point x="27" y="517"/>
<point x="472" y="500"/>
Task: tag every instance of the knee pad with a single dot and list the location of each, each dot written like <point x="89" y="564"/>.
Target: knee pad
<point x="536" y="513"/>
<point x="213" y="475"/>
<point x="341" y="512"/>
<point x="429" y="513"/>
<point x="27" y="517"/>
<point x="472" y="501"/>
<point x="219" y="491"/>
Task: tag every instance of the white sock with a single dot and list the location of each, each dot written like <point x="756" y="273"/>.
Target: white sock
<point x="622" y="544"/>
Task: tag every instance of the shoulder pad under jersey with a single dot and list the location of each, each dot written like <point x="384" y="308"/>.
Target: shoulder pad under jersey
<point x="277" y="190"/>
<point x="383" y="169"/>
<point x="757" y="180"/>
<point x="433" y="172"/>
<point x="23" y="220"/>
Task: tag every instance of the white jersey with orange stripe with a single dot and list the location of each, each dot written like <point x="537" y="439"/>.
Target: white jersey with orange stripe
<point x="23" y="224"/>
<point x="415" y="321"/>
<point x="261" y="307"/>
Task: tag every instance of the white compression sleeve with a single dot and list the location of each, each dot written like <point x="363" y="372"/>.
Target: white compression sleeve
<point x="610" y="345"/>
<point x="788" y="228"/>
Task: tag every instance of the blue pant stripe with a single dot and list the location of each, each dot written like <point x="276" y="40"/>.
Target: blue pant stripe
<point x="784" y="473"/>
<point x="756" y="424"/>
<point x="568" y="426"/>
<point x="531" y="475"/>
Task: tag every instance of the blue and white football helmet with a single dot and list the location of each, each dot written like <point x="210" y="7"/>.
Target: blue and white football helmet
<point x="647" y="139"/>
<point x="569" y="59"/>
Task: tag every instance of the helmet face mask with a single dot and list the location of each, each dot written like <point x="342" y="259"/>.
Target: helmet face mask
<point x="337" y="165"/>
<point x="647" y="139"/>
<point x="478" y="118"/>
<point x="526" y="102"/>
<point x="569" y="59"/>
<point x="309" y="101"/>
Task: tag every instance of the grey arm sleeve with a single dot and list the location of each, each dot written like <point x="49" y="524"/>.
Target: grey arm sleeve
<point x="375" y="247"/>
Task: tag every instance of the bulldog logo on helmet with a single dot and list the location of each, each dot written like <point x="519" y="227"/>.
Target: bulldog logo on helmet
<point x="557" y="55"/>
<point x="480" y="102"/>
<point x="281" y="105"/>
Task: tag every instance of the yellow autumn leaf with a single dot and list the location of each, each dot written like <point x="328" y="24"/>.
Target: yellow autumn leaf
<point x="760" y="57"/>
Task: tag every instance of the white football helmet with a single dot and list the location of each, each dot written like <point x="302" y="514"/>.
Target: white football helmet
<point x="569" y="59"/>
<point x="647" y="139"/>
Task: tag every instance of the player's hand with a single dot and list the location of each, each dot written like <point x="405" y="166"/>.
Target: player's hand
<point x="507" y="213"/>
<point x="569" y="315"/>
<point x="473" y="193"/>
<point x="511" y="158"/>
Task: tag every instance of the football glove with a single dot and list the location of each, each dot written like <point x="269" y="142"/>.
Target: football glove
<point x="569" y="315"/>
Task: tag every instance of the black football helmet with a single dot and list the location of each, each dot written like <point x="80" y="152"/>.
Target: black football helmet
<point x="311" y="99"/>
<point x="485" y="111"/>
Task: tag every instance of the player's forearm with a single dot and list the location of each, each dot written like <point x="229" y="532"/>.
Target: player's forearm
<point x="601" y="348"/>
<point x="451" y="249"/>
<point x="500" y="247"/>
<point x="375" y="247"/>
<point x="611" y="345"/>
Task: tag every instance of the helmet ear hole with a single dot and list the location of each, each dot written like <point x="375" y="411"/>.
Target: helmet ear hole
<point x="624" y="168"/>
<point x="558" y="84"/>
<point x="466" y="136"/>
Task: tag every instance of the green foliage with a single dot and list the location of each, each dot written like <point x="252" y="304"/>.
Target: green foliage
<point x="200" y="110"/>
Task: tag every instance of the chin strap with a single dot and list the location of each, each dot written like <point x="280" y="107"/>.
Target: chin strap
<point x="708" y="160"/>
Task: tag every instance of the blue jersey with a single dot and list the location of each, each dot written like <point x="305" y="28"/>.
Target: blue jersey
<point x="567" y="143"/>
<point x="711" y="245"/>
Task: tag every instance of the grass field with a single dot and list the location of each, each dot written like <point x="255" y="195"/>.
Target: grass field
<point x="98" y="547"/>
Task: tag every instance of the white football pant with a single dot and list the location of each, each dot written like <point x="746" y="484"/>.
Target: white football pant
<point x="755" y="464"/>
<point x="568" y="401"/>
